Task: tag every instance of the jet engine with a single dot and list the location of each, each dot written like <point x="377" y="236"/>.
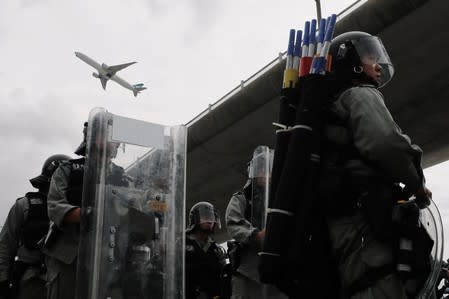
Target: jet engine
<point x="96" y="75"/>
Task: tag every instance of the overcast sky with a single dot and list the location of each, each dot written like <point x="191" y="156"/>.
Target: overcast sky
<point x="189" y="54"/>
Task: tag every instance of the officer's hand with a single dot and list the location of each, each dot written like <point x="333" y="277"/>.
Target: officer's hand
<point x="423" y="197"/>
<point x="260" y="236"/>
<point x="73" y="216"/>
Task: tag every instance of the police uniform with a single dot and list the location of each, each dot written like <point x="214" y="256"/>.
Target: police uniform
<point x="366" y="153"/>
<point x="203" y="266"/>
<point x="61" y="246"/>
<point x="26" y="223"/>
<point x="245" y="283"/>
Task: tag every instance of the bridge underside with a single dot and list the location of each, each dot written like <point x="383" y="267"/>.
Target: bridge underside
<point x="221" y="141"/>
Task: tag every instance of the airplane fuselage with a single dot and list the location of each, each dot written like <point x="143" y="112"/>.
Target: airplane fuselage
<point x="105" y="73"/>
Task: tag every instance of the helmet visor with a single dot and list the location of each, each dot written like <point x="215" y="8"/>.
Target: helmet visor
<point x="208" y="214"/>
<point x="372" y="51"/>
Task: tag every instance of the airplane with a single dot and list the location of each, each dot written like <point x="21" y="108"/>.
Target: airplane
<point x="105" y="72"/>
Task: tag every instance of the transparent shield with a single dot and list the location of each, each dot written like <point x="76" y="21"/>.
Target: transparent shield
<point x="260" y="175"/>
<point x="430" y="218"/>
<point x="133" y="210"/>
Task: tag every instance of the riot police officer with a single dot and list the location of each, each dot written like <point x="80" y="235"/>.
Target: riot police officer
<point x="204" y="259"/>
<point x="365" y="156"/>
<point x="245" y="222"/>
<point x="61" y="243"/>
<point x="21" y="261"/>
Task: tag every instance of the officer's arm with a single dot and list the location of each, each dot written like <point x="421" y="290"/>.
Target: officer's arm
<point x="238" y="227"/>
<point x="9" y="239"/>
<point x="59" y="209"/>
<point x="380" y="140"/>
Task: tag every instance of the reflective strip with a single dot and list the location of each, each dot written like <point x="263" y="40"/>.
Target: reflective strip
<point x="280" y="212"/>
<point x="405" y="244"/>
<point x="269" y="253"/>
<point x="301" y="127"/>
<point x="315" y="157"/>
<point x="282" y="131"/>
<point x="403" y="267"/>
<point x="279" y="125"/>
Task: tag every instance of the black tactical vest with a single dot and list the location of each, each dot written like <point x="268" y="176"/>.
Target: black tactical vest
<point x="76" y="178"/>
<point x="203" y="269"/>
<point x="36" y="223"/>
<point x="337" y="148"/>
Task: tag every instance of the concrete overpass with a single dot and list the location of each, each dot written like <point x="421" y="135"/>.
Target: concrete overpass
<point x="221" y="139"/>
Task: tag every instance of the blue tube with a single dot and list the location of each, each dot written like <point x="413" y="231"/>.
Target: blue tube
<point x="312" y="36"/>
<point x="306" y="34"/>
<point x="297" y="48"/>
<point x="330" y="28"/>
<point x="328" y="21"/>
<point x="318" y="65"/>
<point x="291" y="45"/>
<point x="291" y="42"/>
<point x="322" y="30"/>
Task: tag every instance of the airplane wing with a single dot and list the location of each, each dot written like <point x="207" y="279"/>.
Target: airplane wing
<point x="89" y="61"/>
<point x="115" y="68"/>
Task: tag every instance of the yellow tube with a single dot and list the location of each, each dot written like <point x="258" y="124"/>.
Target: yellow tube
<point x="290" y="78"/>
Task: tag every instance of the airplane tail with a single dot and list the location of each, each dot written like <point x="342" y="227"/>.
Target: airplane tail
<point x="138" y="88"/>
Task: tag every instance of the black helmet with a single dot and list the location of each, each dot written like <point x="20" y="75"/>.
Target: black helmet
<point x="350" y="48"/>
<point x="81" y="150"/>
<point x="43" y="180"/>
<point x="201" y="212"/>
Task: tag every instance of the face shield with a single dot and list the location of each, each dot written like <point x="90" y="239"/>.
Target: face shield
<point x="372" y="51"/>
<point x="260" y="176"/>
<point x="207" y="213"/>
<point x="261" y="164"/>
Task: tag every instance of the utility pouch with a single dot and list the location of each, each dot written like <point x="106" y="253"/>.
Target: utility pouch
<point x="235" y="254"/>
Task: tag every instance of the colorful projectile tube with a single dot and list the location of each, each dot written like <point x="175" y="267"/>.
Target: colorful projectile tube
<point x="290" y="74"/>
<point x="305" y="59"/>
<point x="320" y="63"/>
<point x="305" y="41"/>
<point x="297" y="50"/>
<point x="322" y="31"/>
<point x="291" y="44"/>
<point x="312" y="38"/>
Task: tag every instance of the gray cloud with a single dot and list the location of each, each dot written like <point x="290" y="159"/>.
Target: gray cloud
<point x="28" y="3"/>
<point x="44" y="121"/>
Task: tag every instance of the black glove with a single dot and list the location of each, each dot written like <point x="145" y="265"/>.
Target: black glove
<point x="423" y="197"/>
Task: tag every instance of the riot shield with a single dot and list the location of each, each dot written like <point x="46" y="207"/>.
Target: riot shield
<point x="260" y="176"/>
<point x="431" y="220"/>
<point x="133" y="216"/>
